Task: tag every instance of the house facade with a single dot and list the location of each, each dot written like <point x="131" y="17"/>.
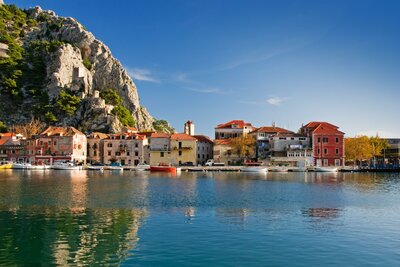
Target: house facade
<point x="291" y="149"/>
<point x="204" y="149"/>
<point x="327" y="143"/>
<point x="232" y="129"/>
<point x="95" y="147"/>
<point x="56" y="144"/>
<point x="11" y="148"/>
<point x="262" y="136"/>
<point x="125" y="148"/>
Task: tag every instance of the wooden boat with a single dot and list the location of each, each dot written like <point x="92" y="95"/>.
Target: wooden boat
<point x="162" y="167"/>
<point x="326" y="169"/>
<point x="254" y="169"/>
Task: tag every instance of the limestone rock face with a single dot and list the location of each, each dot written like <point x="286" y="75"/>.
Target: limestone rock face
<point x="66" y="70"/>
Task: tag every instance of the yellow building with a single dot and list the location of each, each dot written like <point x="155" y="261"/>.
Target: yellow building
<point x="175" y="149"/>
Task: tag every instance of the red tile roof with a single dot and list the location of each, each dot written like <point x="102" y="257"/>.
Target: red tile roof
<point x="182" y="136"/>
<point x="4" y="137"/>
<point x="240" y="124"/>
<point x="97" y="135"/>
<point x="326" y="129"/>
<point x="315" y="124"/>
<point x="203" y="138"/>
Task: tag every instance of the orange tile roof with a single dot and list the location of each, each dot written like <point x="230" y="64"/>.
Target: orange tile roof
<point x="326" y="129"/>
<point x="160" y="135"/>
<point x="97" y="135"/>
<point x="4" y="137"/>
<point x="222" y="142"/>
<point x="203" y="138"/>
<point x="240" y="124"/>
<point x="61" y="131"/>
<point x="182" y="136"/>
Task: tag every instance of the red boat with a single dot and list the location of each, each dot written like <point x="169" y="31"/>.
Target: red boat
<point x="162" y="167"/>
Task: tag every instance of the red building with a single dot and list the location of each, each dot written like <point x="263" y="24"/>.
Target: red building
<point x="327" y="143"/>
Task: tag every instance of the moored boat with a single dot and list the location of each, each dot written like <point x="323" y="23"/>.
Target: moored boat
<point x="95" y="167"/>
<point x="326" y="169"/>
<point x="65" y="166"/>
<point x="254" y="169"/>
<point x="5" y="165"/>
<point x="142" y="167"/>
<point x="278" y="169"/>
<point x="114" y="167"/>
<point x="164" y="168"/>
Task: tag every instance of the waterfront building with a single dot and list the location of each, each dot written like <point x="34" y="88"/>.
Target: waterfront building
<point x="290" y="149"/>
<point x="188" y="128"/>
<point x="327" y="143"/>
<point x="176" y="149"/>
<point x="391" y="155"/>
<point x="204" y="149"/>
<point x="125" y="148"/>
<point x="11" y="148"/>
<point x="95" y="147"/>
<point x="224" y="152"/>
<point x="56" y="144"/>
<point x="233" y="129"/>
<point x="262" y="136"/>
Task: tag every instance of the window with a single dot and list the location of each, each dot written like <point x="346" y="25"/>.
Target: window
<point x="337" y="162"/>
<point x="302" y="138"/>
<point x="117" y="153"/>
<point x="123" y="137"/>
<point x="325" y="139"/>
<point x="180" y="153"/>
<point x="198" y="156"/>
<point x="161" y="154"/>
<point x="337" y="139"/>
<point x="319" y="151"/>
<point x="55" y="143"/>
<point x="109" y="153"/>
<point x="319" y="139"/>
<point x="128" y="153"/>
<point x="95" y="153"/>
<point x="136" y="153"/>
<point x="109" y="145"/>
<point x="325" y="151"/>
<point x="337" y="151"/>
<point x="180" y="144"/>
<point x="282" y="138"/>
<point x="136" y="145"/>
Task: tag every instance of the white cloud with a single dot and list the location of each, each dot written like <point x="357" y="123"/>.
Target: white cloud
<point x="276" y="101"/>
<point x="210" y="91"/>
<point x="142" y="75"/>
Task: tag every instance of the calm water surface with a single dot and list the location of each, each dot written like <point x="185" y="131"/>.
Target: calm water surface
<point x="79" y="218"/>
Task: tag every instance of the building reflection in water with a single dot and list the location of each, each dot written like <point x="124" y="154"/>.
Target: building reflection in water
<point x="57" y="226"/>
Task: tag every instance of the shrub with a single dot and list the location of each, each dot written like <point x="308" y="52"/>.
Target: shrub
<point x="111" y="97"/>
<point x="68" y="103"/>
<point x="124" y="115"/>
<point x="87" y="63"/>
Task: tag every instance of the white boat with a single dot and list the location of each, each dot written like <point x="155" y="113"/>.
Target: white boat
<point x="278" y="169"/>
<point x="298" y="169"/>
<point x="326" y="169"/>
<point x="21" y="165"/>
<point x="65" y="166"/>
<point x="142" y="167"/>
<point x="254" y="169"/>
<point x="95" y="167"/>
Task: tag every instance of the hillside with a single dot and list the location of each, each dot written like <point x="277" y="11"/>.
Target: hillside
<point x="53" y="69"/>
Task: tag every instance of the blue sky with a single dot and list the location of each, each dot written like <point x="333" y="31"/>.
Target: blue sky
<point x="288" y="62"/>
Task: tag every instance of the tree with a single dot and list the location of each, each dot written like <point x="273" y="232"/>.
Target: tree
<point x="378" y="145"/>
<point x="31" y="128"/>
<point x="68" y="103"/>
<point x="358" y="149"/>
<point x="244" y="145"/>
<point x="3" y="127"/>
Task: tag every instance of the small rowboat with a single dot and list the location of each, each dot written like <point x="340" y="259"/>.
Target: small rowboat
<point x="164" y="168"/>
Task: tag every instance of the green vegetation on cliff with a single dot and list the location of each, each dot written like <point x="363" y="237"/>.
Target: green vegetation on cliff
<point x="111" y="97"/>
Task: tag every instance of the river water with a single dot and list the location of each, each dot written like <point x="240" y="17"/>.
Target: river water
<point x="83" y="218"/>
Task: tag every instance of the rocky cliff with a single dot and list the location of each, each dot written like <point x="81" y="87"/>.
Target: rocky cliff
<point x="52" y="68"/>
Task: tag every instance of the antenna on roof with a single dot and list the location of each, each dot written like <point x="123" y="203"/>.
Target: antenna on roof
<point x="273" y="124"/>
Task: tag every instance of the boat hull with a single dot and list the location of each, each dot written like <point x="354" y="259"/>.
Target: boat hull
<point x="325" y="169"/>
<point x="254" y="169"/>
<point x="163" y="169"/>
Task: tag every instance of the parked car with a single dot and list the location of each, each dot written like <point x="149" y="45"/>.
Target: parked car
<point x="211" y="162"/>
<point x="189" y="163"/>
